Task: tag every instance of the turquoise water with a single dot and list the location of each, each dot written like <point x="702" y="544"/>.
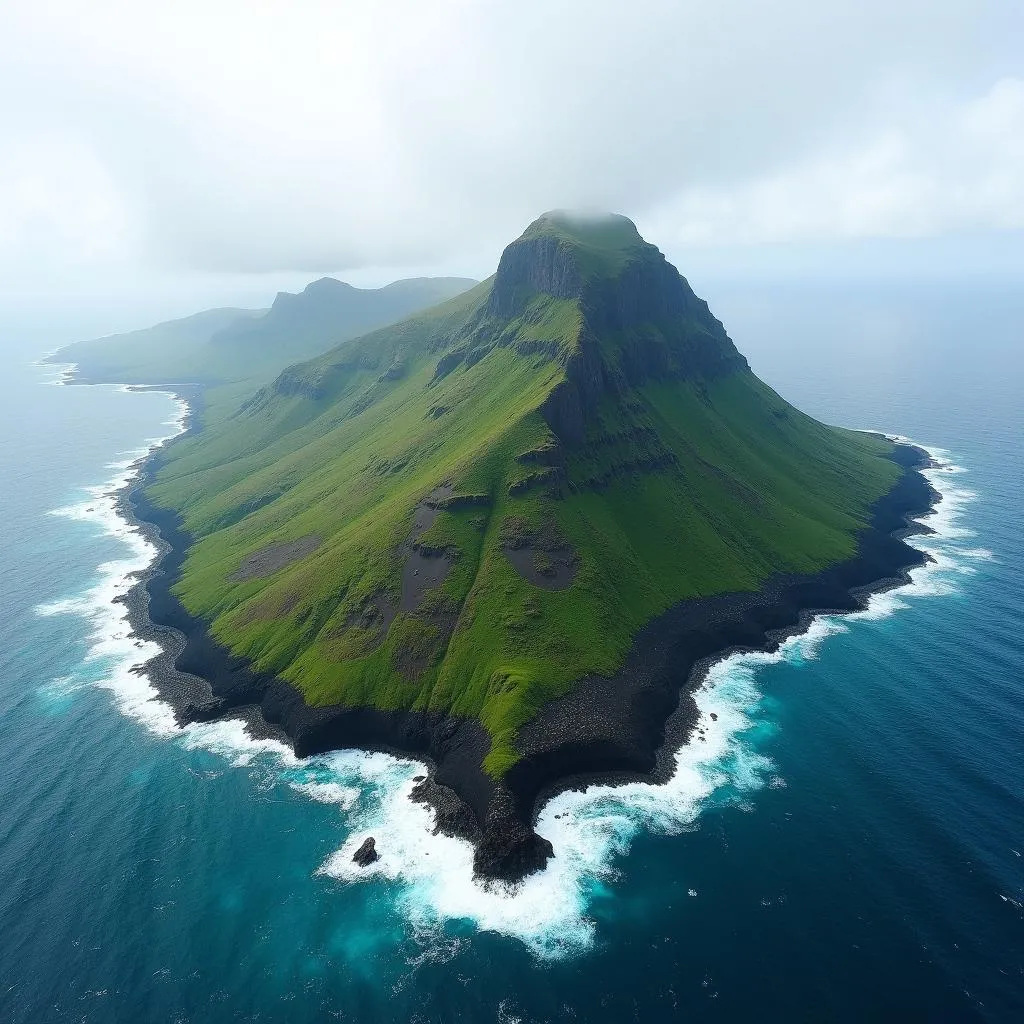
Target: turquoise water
<point x="846" y="845"/>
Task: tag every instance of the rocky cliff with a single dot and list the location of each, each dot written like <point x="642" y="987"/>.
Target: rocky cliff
<point x="639" y="318"/>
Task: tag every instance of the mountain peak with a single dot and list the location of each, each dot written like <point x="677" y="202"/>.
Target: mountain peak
<point x="610" y="232"/>
<point x="323" y="289"/>
<point x="328" y="284"/>
<point x="562" y="253"/>
<point x="626" y="314"/>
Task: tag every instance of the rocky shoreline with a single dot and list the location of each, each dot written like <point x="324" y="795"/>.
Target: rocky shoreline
<point x="620" y="729"/>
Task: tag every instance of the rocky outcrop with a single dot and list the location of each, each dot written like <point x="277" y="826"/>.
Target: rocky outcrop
<point x="509" y="849"/>
<point x="367" y="853"/>
<point x="570" y="405"/>
<point x="532" y="265"/>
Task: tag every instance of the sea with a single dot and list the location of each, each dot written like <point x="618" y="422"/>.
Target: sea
<point x="847" y="845"/>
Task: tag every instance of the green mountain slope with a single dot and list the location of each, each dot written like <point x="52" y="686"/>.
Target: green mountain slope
<point x="473" y="509"/>
<point x="170" y="352"/>
<point x="239" y="349"/>
<point x="327" y="311"/>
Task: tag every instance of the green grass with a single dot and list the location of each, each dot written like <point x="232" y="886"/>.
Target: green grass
<point x="171" y="352"/>
<point x="233" y="351"/>
<point x="683" y="487"/>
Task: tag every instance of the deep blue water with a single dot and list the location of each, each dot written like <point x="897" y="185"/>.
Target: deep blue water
<point x="846" y="846"/>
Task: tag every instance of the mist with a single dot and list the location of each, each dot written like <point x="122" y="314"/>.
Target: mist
<point x="157" y="160"/>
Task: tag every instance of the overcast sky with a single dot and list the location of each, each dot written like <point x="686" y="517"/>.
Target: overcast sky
<point x="226" y="147"/>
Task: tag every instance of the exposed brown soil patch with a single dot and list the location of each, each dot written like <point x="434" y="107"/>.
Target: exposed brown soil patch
<point x="274" y="557"/>
<point x="540" y="554"/>
<point x="376" y="614"/>
<point x="365" y="628"/>
<point x="421" y="573"/>
<point x="427" y="648"/>
<point x="424" y="569"/>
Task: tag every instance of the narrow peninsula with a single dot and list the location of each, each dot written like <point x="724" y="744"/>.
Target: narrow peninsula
<point x="506" y="533"/>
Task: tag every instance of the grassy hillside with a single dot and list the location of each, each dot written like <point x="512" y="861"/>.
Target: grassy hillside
<point x="171" y="352"/>
<point x="236" y="350"/>
<point x="298" y="327"/>
<point x="569" y="448"/>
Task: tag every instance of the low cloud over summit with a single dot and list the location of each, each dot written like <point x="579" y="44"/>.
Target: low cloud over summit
<point x="309" y="137"/>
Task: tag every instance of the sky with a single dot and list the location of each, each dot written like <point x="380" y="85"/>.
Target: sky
<point x="161" y="157"/>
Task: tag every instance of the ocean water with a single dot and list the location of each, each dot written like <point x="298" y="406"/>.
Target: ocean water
<point x="847" y="844"/>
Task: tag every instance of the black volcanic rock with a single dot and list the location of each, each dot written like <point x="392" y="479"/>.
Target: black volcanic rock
<point x="509" y="849"/>
<point x="367" y="853"/>
<point x="530" y="265"/>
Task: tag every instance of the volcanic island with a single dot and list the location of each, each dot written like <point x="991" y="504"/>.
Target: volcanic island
<point x="500" y="527"/>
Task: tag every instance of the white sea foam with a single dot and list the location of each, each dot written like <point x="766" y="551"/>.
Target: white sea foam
<point x="431" y="875"/>
<point x="329" y="793"/>
<point x="58" y="373"/>
<point x="113" y="647"/>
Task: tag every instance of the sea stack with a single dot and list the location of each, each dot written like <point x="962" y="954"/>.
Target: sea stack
<point x="367" y="853"/>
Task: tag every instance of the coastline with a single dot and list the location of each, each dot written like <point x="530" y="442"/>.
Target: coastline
<point x="632" y="732"/>
<point x="694" y="636"/>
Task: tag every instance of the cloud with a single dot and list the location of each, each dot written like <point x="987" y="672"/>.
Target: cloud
<point x="961" y="170"/>
<point x="260" y="137"/>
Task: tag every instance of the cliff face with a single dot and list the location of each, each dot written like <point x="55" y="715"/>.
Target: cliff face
<point x="640" y="320"/>
<point x="662" y="329"/>
<point x="530" y="266"/>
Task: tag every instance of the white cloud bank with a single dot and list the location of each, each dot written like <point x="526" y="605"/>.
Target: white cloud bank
<point x="962" y="170"/>
<point x="263" y="137"/>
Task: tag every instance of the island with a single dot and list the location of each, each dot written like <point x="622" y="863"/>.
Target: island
<point x="505" y="535"/>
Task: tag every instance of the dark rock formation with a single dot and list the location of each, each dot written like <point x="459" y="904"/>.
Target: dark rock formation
<point x="531" y="265"/>
<point x="367" y="852"/>
<point x="662" y="329"/>
<point x="509" y="849"/>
